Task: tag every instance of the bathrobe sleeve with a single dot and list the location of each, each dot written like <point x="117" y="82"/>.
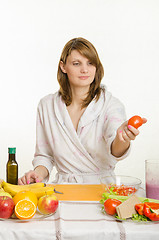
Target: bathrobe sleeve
<point x="115" y="116"/>
<point x="43" y="152"/>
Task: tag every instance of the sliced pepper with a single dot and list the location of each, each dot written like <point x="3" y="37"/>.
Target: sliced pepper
<point x="140" y="208"/>
<point x="151" y="210"/>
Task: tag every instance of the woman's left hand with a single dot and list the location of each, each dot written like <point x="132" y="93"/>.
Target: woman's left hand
<point x="125" y="134"/>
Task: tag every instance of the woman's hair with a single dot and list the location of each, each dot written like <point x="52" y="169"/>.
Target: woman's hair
<point x="86" y="49"/>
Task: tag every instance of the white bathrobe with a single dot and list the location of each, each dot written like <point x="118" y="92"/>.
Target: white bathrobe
<point x="81" y="156"/>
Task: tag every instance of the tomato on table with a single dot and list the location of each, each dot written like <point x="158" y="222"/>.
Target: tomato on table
<point x="110" y="206"/>
<point x="135" y="121"/>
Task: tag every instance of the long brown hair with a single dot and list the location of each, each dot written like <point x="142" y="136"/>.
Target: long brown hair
<point x="85" y="48"/>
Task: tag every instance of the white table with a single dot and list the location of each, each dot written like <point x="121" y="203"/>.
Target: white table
<point x="78" y="221"/>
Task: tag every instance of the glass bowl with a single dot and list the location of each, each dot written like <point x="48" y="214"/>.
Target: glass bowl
<point x="120" y="185"/>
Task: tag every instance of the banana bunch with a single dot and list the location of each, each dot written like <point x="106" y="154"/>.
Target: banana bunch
<point x="2" y="192"/>
<point x="1" y="188"/>
<point x="40" y="189"/>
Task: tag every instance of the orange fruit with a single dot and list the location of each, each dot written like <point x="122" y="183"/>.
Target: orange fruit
<point x="25" y="209"/>
<point x="25" y="194"/>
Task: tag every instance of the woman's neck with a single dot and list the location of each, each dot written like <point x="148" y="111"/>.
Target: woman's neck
<point x="78" y="95"/>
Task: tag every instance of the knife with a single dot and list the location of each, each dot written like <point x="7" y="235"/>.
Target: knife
<point x="57" y="191"/>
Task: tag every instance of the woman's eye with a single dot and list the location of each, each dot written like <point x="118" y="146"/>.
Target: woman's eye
<point x="75" y="63"/>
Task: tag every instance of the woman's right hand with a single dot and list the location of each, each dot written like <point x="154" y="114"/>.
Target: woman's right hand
<point x="30" y="177"/>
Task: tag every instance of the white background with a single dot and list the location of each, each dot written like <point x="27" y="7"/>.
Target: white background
<point x="32" y="36"/>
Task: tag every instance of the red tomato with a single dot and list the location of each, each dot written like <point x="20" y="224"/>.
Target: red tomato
<point x="110" y="206"/>
<point x="135" y="121"/>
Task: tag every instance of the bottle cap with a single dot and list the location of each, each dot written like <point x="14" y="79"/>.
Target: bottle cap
<point x="12" y="150"/>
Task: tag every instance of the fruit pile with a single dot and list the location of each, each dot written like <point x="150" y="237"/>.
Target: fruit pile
<point x="23" y="201"/>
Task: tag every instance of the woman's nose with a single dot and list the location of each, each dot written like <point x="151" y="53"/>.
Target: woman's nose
<point x="84" y="69"/>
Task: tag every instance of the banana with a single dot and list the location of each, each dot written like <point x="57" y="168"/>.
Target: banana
<point x="13" y="189"/>
<point x="42" y="191"/>
<point x="1" y="188"/>
<point x="1" y="180"/>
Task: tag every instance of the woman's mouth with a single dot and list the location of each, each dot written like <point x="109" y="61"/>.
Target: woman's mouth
<point x="83" y="77"/>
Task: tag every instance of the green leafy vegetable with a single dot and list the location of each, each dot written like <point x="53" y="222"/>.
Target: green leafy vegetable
<point x="120" y="218"/>
<point x="111" y="191"/>
<point x="139" y="218"/>
<point x="107" y="195"/>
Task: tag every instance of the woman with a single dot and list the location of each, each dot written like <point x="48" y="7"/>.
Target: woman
<point x="81" y="129"/>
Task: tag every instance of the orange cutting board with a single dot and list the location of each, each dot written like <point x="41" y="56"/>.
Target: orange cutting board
<point x="79" y="192"/>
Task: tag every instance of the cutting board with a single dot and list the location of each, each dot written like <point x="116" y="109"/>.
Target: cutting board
<point x="79" y="192"/>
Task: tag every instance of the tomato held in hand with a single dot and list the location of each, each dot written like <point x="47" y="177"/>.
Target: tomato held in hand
<point x="110" y="206"/>
<point x="135" y="121"/>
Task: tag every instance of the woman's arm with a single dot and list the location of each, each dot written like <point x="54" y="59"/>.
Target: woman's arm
<point x="43" y="159"/>
<point x="125" y="134"/>
<point x="33" y="176"/>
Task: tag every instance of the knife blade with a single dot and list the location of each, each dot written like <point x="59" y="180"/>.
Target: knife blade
<point x="57" y="191"/>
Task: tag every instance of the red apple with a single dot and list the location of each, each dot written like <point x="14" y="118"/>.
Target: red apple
<point x="6" y="207"/>
<point x="48" y="204"/>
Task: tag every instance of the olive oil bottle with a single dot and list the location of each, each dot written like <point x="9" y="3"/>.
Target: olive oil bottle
<point x="12" y="167"/>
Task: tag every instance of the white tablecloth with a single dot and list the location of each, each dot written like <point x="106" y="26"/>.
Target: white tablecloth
<point x="78" y="221"/>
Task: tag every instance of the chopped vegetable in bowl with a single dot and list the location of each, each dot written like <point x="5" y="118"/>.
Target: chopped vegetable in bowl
<point x="120" y="185"/>
<point x="121" y="190"/>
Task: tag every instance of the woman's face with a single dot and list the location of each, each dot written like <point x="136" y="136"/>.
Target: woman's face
<point x="79" y="70"/>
